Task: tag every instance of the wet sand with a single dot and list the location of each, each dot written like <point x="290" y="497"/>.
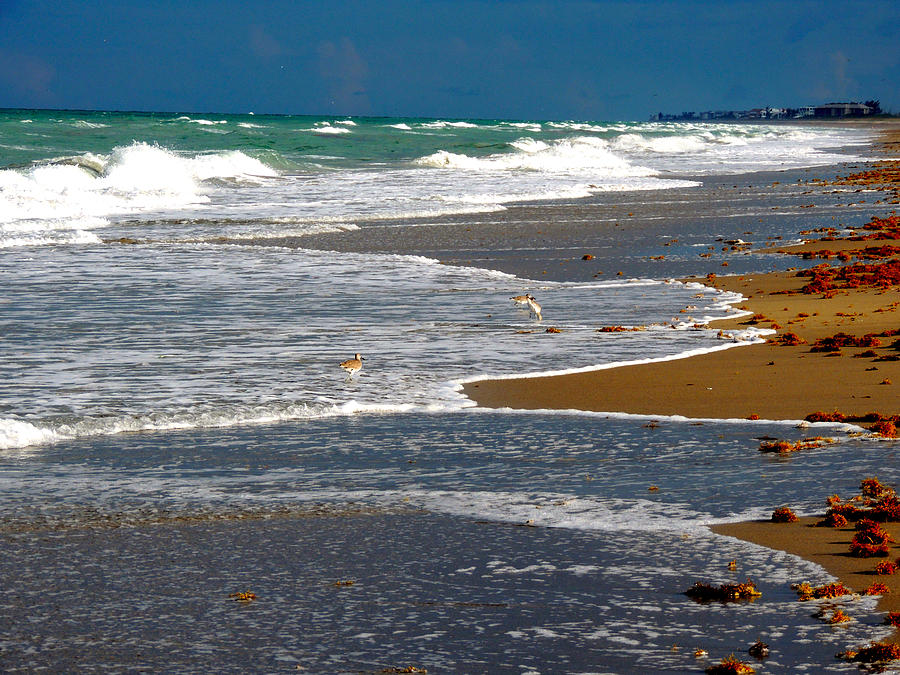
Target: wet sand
<point x="771" y="380"/>
<point x="828" y="547"/>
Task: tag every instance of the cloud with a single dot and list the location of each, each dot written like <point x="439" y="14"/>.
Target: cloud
<point x="344" y="72"/>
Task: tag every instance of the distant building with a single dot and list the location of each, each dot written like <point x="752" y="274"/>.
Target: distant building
<point x="829" y="110"/>
<point x="842" y="110"/>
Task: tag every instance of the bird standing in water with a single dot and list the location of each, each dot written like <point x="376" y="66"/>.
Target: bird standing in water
<point x="352" y="366"/>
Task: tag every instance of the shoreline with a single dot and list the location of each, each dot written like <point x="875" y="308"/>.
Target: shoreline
<point x="774" y="380"/>
<point x="827" y="547"/>
<point x="771" y="381"/>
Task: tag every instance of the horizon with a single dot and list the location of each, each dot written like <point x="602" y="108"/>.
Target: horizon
<point x="882" y="115"/>
<point x="473" y="59"/>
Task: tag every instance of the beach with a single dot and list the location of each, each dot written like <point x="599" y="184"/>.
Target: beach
<point x="190" y="481"/>
<point x="772" y="380"/>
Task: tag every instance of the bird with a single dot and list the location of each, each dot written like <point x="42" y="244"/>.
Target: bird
<point x="534" y="307"/>
<point x="352" y="366"/>
<point x="520" y="300"/>
<point x="527" y="300"/>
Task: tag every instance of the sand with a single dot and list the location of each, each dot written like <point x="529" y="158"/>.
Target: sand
<point x="769" y="381"/>
<point x="828" y="547"/>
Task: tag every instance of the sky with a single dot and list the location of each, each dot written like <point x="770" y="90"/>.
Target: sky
<point x="512" y="59"/>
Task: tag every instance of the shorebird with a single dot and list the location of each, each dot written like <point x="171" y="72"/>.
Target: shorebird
<point x="352" y="366"/>
<point x="534" y="307"/>
<point x="527" y="300"/>
<point x="520" y="300"/>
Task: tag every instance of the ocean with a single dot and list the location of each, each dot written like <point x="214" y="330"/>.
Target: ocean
<point x="175" y="427"/>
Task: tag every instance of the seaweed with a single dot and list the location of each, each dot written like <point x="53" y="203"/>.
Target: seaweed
<point x="730" y="666"/>
<point x="786" y="446"/>
<point x="832" y="519"/>
<point x="783" y="515"/>
<point x="788" y="340"/>
<point x="245" y="596"/>
<point x="885" y="567"/>
<point x="824" y="592"/>
<point x="838" y="616"/>
<point x="877" y="652"/>
<point x="870" y="540"/>
<point x="877" y="588"/>
<point x="835" y="342"/>
<point x="702" y="592"/>
<point x="872" y="487"/>
<point x="885" y="428"/>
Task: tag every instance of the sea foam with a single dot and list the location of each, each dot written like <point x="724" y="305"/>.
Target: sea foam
<point x="81" y="192"/>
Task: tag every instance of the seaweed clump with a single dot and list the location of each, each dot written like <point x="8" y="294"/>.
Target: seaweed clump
<point x="879" y="652"/>
<point x="825" y="592"/>
<point x="870" y="540"/>
<point x="730" y="666"/>
<point x="877" y="503"/>
<point x="885" y="568"/>
<point x="833" y="519"/>
<point x="783" y="515"/>
<point x="877" y="588"/>
<point x="893" y="619"/>
<point x="835" y="342"/>
<point x="244" y="596"/>
<point x="784" y="447"/>
<point x="702" y="592"/>
<point x="885" y="425"/>
<point x="827" y="280"/>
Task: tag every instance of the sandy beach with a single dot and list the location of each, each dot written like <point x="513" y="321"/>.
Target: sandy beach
<point x="785" y="378"/>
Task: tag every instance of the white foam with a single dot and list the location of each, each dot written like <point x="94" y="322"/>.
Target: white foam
<point x="327" y="129"/>
<point x="440" y="124"/>
<point x="83" y="192"/>
<point x="19" y="434"/>
<point x="579" y="154"/>
<point x="203" y="122"/>
<point x="83" y="124"/>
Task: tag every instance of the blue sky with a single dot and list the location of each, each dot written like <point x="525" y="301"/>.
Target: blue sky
<point x="455" y="58"/>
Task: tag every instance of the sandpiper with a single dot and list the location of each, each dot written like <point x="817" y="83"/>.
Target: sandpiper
<point x="534" y="307"/>
<point x="352" y="366"/>
<point x="520" y="300"/>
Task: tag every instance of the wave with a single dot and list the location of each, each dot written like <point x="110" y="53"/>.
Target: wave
<point x="84" y="124"/>
<point x="201" y="122"/>
<point x="440" y="124"/>
<point x="18" y="434"/>
<point x="326" y="128"/>
<point x="77" y="192"/>
<point x="578" y="154"/>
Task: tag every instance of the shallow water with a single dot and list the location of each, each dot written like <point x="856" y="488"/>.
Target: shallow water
<point x="477" y="542"/>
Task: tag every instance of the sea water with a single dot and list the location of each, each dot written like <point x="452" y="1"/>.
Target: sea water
<point x="159" y="365"/>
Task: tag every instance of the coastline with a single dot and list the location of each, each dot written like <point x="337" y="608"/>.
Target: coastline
<point x="825" y="546"/>
<point x="773" y="380"/>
